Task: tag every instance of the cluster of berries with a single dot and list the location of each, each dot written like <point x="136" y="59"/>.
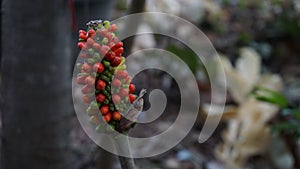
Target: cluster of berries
<point x="103" y="74"/>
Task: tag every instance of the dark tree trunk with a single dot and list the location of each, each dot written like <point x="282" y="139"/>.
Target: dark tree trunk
<point x="36" y="92"/>
<point x="87" y="10"/>
<point x="136" y="6"/>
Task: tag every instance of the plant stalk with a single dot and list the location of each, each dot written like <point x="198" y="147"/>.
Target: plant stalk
<point x="126" y="163"/>
<point x="121" y="140"/>
<point x="123" y="148"/>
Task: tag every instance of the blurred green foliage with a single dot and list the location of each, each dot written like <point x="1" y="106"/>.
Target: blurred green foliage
<point x="289" y="25"/>
<point x="187" y="55"/>
<point x="270" y="96"/>
<point x="121" y="5"/>
<point x="291" y="115"/>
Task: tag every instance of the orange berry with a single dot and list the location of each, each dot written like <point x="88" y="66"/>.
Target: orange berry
<point x="104" y="109"/>
<point x="100" y="85"/>
<point x="100" y="98"/>
<point x="112" y="28"/>
<point x="116" y="116"/>
<point x="107" y="117"/>
<point x="98" y="67"/>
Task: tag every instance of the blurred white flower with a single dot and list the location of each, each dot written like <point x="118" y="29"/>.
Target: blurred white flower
<point x="143" y="41"/>
<point x="248" y="131"/>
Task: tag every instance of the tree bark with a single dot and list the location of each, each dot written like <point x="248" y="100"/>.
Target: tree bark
<point x="136" y="6"/>
<point x="87" y="10"/>
<point x="36" y="84"/>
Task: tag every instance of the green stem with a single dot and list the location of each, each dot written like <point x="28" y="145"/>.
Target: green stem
<point x="126" y="163"/>
<point x="123" y="147"/>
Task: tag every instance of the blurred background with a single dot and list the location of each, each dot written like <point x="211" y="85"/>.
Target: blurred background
<point x="258" y="43"/>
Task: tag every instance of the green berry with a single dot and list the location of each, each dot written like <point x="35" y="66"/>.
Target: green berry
<point x="106" y="24"/>
<point x="104" y="40"/>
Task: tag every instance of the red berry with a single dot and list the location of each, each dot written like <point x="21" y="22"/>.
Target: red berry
<point x="119" y="51"/>
<point x="84" y="55"/>
<point x="81" y="79"/>
<point x="98" y="67"/>
<point x="100" y="98"/>
<point x="112" y="28"/>
<point x="90" y="80"/>
<point x="82" y="31"/>
<point x="132" y="97"/>
<point x="103" y="32"/>
<point x="107" y="117"/>
<point x="86" y="89"/>
<point x="116" y="98"/>
<point x="104" y="109"/>
<point x="86" y="68"/>
<point x="118" y="74"/>
<point x="110" y="56"/>
<point x="123" y="92"/>
<point x="100" y="85"/>
<point x="115" y="40"/>
<point x="111" y="44"/>
<point x="85" y="47"/>
<point x="128" y="79"/>
<point x="80" y="45"/>
<point x="131" y="88"/>
<point x="91" y="32"/>
<point x="116" y="115"/>
<point x="86" y="99"/>
<point x="96" y="46"/>
<point x="109" y="36"/>
<point x="116" y="61"/>
<point x="117" y="46"/>
<point x="121" y="74"/>
<point x="90" y="41"/>
<point x="116" y="83"/>
<point x="82" y="36"/>
<point x="104" y="49"/>
<point x="124" y="74"/>
<point x="93" y="36"/>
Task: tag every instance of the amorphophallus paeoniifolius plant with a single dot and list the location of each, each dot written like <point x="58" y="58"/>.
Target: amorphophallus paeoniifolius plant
<point x="106" y="85"/>
<point x="103" y="76"/>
